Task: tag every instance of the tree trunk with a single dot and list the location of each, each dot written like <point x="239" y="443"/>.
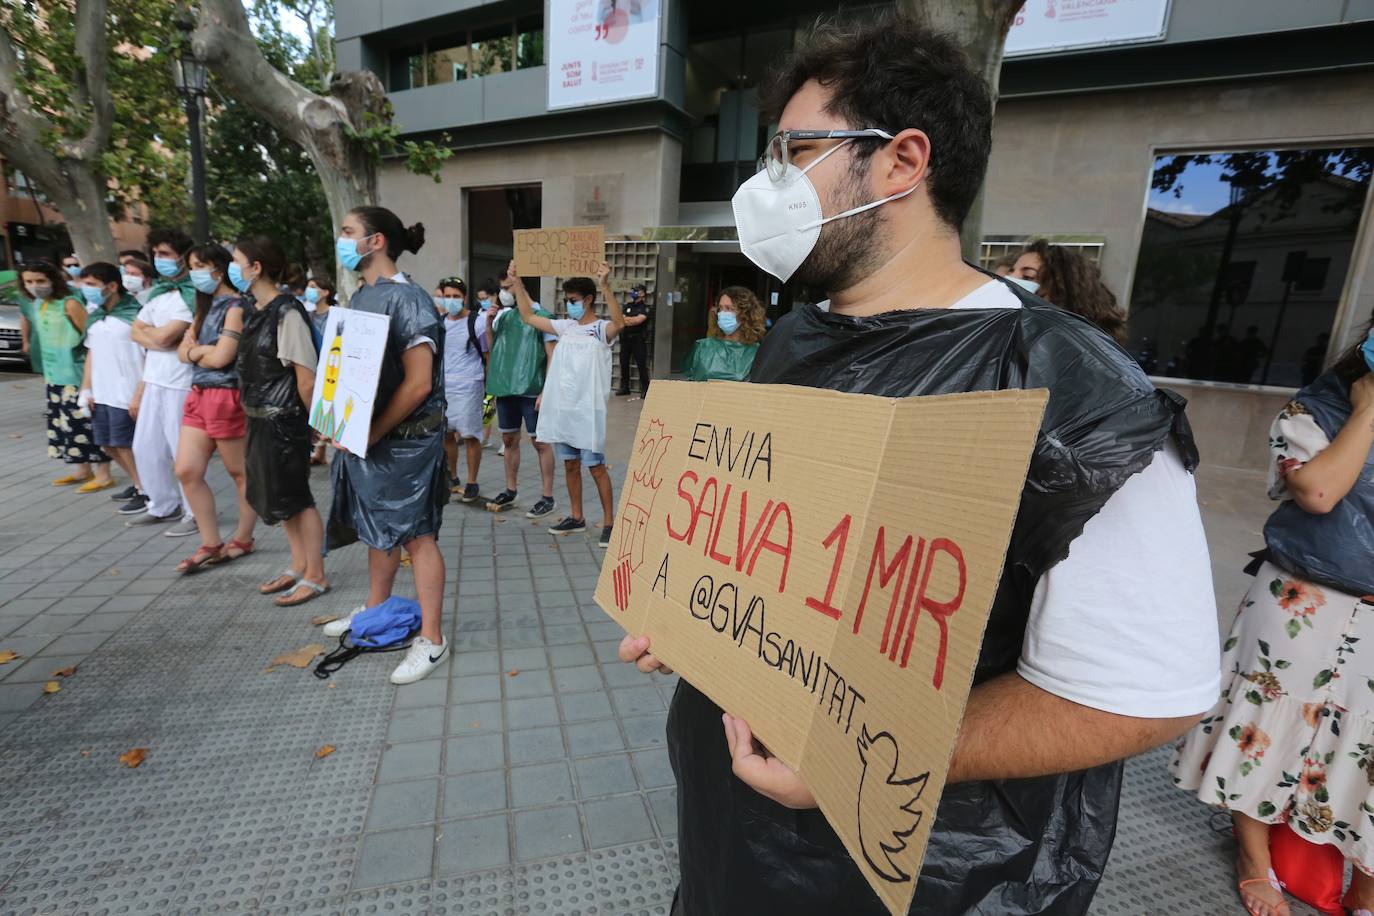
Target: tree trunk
<point x="980" y="28"/>
<point x="325" y="126"/>
<point x="70" y="175"/>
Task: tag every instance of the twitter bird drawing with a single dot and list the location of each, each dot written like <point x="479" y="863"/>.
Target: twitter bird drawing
<point x="887" y="805"/>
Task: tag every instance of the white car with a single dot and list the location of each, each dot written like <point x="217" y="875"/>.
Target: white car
<point x="11" y="337"/>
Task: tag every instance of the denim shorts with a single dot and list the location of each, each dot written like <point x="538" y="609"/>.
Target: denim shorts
<point x="512" y="410"/>
<point x="588" y="457"/>
<point x="112" y="426"/>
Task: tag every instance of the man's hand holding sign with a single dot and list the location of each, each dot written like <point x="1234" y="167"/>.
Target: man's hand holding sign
<point x="838" y="633"/>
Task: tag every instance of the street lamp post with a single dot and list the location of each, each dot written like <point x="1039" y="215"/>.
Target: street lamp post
<point x="190" y="75"/>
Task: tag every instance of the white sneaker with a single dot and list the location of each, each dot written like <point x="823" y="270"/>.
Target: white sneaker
<point x="421" y="658"/>
<point x="337" y="628"/>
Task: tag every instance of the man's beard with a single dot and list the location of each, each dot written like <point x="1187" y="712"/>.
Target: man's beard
<point x="848" y="248"/>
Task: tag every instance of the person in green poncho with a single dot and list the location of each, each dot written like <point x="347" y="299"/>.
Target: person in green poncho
<point x="734" y="329"/>
<point x="59" y="327"/>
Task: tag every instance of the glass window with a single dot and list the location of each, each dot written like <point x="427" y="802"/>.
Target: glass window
<point x="450" y="59"/>
<point x="529" y="43"/>
<point x="493" y="49"/>
<point x="407" y="68"/>
<point x="1242" y="260"/>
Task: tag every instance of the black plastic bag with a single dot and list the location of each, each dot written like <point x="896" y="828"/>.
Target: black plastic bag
<point x="1023" y="846"/>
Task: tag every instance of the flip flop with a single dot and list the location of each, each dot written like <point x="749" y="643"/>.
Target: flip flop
<point x="276" y="585"/>
<point x="316" y="590"/>
<point x="203" y="557"/>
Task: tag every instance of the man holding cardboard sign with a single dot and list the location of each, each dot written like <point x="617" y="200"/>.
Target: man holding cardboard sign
<point x="1088" y="656"/>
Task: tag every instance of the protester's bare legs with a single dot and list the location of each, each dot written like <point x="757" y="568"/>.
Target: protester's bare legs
<point x="194" y="448"/>
<point x="124" y="457"/>
<point x="1252" y="861"/>
<point x="102" y="471"/>
<point x="231" y="452"/>
<point x="305" y="534"/>
<point x="602" y="478"/>
<point x="512" y="444"/>
<point x="1361" y="893"/>
<point x="451" y="454"/>
<point x="427" y="565"/>
<point x="545" y="453"/>
<point x="474" y="447"/>
<point x="573" y="471"/>
<point x="381" y="573"/>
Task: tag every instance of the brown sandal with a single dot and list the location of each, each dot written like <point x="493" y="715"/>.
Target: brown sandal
<point x="287" y="579"/>
<point x="203" y="557"/>
<point x="244" y="548"/>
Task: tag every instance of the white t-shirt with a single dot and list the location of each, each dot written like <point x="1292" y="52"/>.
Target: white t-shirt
<point x="1127" y="622"/>
<point x="162" y="366"/>
<point x="116" y="362"/>
<point x="566" y="327"/>
<point x="461" y="362"/>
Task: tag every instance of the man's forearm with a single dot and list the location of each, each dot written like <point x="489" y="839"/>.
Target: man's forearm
<point x="1014" y="730"/>
<point x="410" y="395"/>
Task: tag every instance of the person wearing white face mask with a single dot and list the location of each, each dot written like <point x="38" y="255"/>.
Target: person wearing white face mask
<point x="465" y="371"/>
<point x="1063" y="277"/>
<point x="137" y="277"/>
<point x="59" y="326"/>
<point x="114" y="365"/>
<point x="157" y="404"/>
<point x="884" y="141"/>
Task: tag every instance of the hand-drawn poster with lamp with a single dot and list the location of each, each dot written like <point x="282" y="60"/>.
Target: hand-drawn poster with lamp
<point x="602" y="51"/>
<point x="841" y="622"/>
<point x="351" y="353"/>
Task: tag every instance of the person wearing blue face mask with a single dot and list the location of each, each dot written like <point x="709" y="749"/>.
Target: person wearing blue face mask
<point x="573" y="405"/>
<point x="728" y="351"/>
<point x="157" y="404"/>
<point x="634" y="340"/>
<point x="72" y="265"/>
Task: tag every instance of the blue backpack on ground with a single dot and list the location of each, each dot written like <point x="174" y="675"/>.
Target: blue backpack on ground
<point x="386" y="627"/>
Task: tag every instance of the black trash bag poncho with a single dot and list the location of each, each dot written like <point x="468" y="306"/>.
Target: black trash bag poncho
<point x="397" y="493"/>
<point x="277" y="455"/>
<point x="1022" y="846"/>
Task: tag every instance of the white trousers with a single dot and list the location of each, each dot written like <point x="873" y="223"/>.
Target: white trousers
<point x="156" y="432"/>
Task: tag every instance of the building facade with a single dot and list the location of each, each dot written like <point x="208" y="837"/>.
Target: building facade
<point x="1214" y="158"/>
<point x="31" y="230"/>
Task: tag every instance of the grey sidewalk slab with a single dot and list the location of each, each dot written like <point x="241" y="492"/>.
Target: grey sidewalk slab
<point x="476" y="791"/>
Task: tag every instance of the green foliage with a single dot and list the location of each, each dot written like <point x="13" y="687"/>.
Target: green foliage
<point x="146" y="157"/>
<point x="379" y="137"/>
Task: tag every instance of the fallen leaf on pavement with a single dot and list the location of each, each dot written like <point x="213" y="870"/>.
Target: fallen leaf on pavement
<point x="16" y="435"/>
<point x="51" y="687"/>
<point x="512" y="672"/>
<point x="324" y="751"/>
<point x="133" y="757"/>
<point x="332" y="687"/>
<point x="86" y="753"/>
<point x="7" y="656"/>
<point x="64" y="672"/>
<point x="301" y="658"/>
<point x="322" y="619"/>
<point x="474" y="725"/>
<point x="114" y="570"/>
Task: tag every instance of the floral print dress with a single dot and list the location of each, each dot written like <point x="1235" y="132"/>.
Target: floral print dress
<point x="1292" y="737"/>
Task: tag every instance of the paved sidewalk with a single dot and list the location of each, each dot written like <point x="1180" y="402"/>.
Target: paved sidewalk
<point x="529" y="776"/>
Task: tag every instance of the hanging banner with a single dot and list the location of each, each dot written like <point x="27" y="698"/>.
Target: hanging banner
<point x="841" y="622"/>
<point x="601" y="51"/>
<point x="351" y="352"/>
<point x="1059" y="25"/>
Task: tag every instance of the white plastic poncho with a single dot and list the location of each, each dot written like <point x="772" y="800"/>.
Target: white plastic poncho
<point x="573" y="410"/>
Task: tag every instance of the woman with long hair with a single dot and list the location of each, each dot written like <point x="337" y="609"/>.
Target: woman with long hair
<point x="1063" y="277"/>
<point x="1292" y="735"/>
<point x="276" y="366"/>
<point x="59" y="317"/>
<point x="394" y="497"/>
<point x="213" y="419"/>
<point x="734" y="329"/>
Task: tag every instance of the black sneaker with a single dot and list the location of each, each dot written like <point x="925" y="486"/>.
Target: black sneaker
<point x="125" y="494"/>
<point x="541" y="508"/>
<point x="605" y="540"/>
<point x="569" y="526"/>
<point x="502" y="501"/>
<point x="136" y="505"/>
<point x="622" y="391"/>
<point x="470" y="493"/>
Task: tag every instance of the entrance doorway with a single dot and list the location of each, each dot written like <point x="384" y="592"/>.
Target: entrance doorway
<point x="493" y="214"/>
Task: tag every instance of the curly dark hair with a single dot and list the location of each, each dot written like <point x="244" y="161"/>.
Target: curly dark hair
<point x="894" y="73"/>
<point x="1072" y="282"/>
<point x="1351" y="366"/>
<point x="61" y="289"/>
<point x="750" y="311"/>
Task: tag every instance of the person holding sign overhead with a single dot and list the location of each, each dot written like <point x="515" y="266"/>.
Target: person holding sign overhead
<point x="394" y="497"/>
<point x="276" y="369"/>
<point x="577" y="388"/>
<point x="1101" y="642"/>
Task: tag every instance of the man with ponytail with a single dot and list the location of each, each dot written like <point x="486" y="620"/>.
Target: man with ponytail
<point x="394" y="497"/>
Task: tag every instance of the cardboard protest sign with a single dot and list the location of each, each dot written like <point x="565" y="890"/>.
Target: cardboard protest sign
<point x="822" y="566"/>
<point x="346" y="383"/>
<point x="572" y="251"/>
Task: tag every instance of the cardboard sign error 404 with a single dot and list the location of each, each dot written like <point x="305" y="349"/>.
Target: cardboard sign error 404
<point x="822" y="565"/>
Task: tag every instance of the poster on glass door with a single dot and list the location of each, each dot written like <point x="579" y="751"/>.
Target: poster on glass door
<point x="601" y="51"/>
